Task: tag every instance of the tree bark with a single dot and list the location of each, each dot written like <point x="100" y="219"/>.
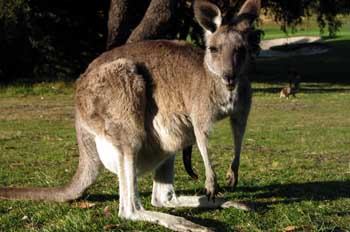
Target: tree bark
<point x="156" y="22"/>
<point x="123" y="17"/>
<point x="117" y="23"/>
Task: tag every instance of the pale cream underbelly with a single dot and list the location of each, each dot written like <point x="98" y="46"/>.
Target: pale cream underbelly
<point x="173" y="132"/>
<point x="165" y="138"/>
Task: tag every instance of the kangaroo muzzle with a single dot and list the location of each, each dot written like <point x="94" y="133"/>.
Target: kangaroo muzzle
<point x="230" y="80"/>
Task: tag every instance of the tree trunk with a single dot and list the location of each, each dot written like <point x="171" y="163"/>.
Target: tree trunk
<point x="156" y="22"/>
<point x="123" y="17"/>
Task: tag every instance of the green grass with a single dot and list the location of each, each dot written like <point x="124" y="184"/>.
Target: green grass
<point x="330" y="67"/>
<point x="295" y="163"/>
<point x="308" y="28"/>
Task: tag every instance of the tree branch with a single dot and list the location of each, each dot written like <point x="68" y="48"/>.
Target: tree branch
<point x="156" y="21"/>
<point x="123" y="17"/>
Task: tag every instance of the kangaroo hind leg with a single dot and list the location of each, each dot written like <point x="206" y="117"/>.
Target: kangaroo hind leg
<point x="163" y="194"/>
<point x="130" y="205"/>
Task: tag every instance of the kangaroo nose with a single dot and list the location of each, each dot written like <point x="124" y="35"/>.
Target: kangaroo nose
<point x="229" y="78"/>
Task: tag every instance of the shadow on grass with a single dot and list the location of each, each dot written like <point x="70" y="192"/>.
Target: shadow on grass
<point x="316" y="191"/>
<point x="327" y="190"/>
<point x="304" y="90"/>
<point x="296" y="192"/>
<point x="207" y="222"/>
<point x="331" y="67"/>
<point x="292" y="192"/>
<point x="101" y="197"/>
<point x="181" y="212"/>
<point x="265" y="196"/>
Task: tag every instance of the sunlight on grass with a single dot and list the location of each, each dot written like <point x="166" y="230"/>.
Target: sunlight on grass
<point x="308" y="28"/>
<point x="295" y="154"/>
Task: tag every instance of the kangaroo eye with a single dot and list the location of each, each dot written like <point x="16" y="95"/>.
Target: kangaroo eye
<point x="213" y="49"/>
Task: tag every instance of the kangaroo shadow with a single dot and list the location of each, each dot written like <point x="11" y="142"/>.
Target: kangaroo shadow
<point x="264" y="197"/>
<point x="181" y="212"/>
<point x="295" y="192"/>
<point x="320" y="90"/>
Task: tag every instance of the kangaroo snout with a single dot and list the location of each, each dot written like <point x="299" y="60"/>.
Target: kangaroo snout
<point x="230" y="79"/>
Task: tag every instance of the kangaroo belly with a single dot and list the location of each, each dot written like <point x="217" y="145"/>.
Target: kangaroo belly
<point x="166" y="135"/>
<point x="148" y="158"/>
<point x="109" y="154"/>
<point x="173" y="132"/>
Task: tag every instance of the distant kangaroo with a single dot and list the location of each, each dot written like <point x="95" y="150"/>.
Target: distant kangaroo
<point x="290" y="90"/>
<point x="138" y="104"/>
<point x="287" y="91"/>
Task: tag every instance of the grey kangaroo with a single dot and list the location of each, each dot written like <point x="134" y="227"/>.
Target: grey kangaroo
<point x="137" y="105"/>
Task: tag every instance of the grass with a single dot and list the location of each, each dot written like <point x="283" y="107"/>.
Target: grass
<point x="309" y="27"/>
<point x="295" y="164"/>
<point x="331" y="67"/>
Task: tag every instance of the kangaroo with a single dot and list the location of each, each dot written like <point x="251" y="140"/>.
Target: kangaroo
<point x="138" y="104"/>
<point x="290" y="90"/>
<point x="287" y="91"/>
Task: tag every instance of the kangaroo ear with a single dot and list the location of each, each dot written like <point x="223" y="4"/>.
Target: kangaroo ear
<point x="248" y="13"/>
<point x="208" y="15"/>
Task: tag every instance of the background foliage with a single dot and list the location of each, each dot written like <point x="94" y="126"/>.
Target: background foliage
<point x="45" y="40"/>
<point x="49" y="40"/>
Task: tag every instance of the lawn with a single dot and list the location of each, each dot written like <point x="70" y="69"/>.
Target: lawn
<point x="295" y="164"/>
<point x="309" y="27"/>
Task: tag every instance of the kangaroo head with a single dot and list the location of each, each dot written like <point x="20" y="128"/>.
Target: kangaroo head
<point x="228" y="45"/>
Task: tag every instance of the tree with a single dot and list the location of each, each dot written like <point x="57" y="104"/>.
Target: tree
<point x="56" y="39"/>
<point x="48" y="40"/>
<point x="123" y="17"/>
<point x="291" y="13"/>
<point x="159" y="17"/>
<point x="124" y="22"/>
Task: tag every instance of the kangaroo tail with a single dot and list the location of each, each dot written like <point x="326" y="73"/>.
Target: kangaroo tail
<point x="187" y="160"/>
<point x="86" y="174"/>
